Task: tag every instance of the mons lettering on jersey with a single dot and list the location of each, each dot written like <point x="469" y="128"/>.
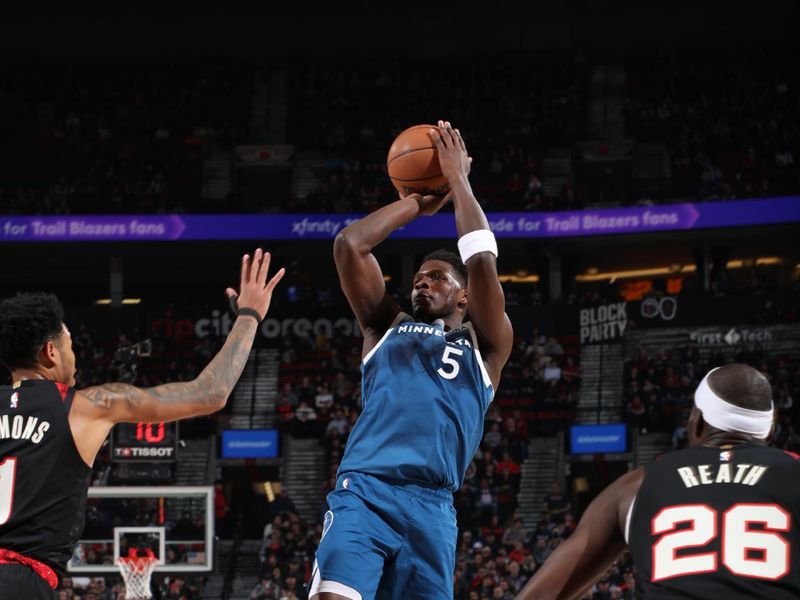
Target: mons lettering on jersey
<point x="19" y="427"/>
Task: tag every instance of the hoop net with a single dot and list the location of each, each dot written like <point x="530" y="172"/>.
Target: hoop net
<point x="136" y="571"/>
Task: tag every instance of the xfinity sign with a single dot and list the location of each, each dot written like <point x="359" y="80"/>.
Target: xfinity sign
<point x="732" y="337"/>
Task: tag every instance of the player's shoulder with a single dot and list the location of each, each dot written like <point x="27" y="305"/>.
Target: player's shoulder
<point x="35" y="386"/>
<point x="771" y="453"/>
<point x="789" y="456"/>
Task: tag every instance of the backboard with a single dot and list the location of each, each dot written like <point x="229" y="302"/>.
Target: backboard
<point x="176" y="522"/>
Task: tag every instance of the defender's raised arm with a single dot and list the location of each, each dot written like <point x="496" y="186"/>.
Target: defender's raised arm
<point x="97" y="409"/>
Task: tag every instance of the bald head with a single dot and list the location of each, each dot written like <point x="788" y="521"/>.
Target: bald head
<point x="742" y="386"/>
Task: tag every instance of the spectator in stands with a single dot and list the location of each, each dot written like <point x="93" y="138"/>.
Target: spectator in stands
<point x="339" y="424"/>
<point x="552" y="373"/>
<point x="553" y="348"/>
<point x="323" y="400"/>
<point x="541" y="550"/>
<point x="570" y="372"/>
<point x="514" y="534"/>
<point x="508" y="465"/>
<point x="221" y="511"/>
<point x="486" y="502"/>
<point x="304" y="419"/>
<point x="556" y="504"/>
<point x="635" y="414"/>
<point x="266" y="589"/>
<point x="679" y="436"/>
<point x="493" y="437"/>
<point x="282" y="503"/>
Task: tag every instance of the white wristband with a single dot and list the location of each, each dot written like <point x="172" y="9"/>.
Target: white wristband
<point x="480" y="240"/>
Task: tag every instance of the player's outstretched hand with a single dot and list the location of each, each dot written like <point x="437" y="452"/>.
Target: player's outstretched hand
<point x="453" y="158"/>
<point x="429" y="205"/>
<point x="254" y="290"/>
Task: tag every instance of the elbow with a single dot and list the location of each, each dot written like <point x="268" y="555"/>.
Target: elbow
<point x="344" y="245"/>
<point x="217" y="399"/>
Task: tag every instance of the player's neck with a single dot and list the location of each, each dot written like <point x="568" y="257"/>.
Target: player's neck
<point x="23" y="374"/>
<point x="716" y="439"/>
<point x="449" y="322"/>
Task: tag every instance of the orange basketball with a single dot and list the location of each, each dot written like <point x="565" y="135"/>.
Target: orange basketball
<point x="413" y="163"/>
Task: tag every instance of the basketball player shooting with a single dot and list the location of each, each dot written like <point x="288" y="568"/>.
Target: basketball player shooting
<point x="717" y="520"/>
<point x="50" y="432"/>
<point x="427" y="380"/>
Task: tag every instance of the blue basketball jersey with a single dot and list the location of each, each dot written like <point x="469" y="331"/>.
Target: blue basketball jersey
<point x="425" y="393"/>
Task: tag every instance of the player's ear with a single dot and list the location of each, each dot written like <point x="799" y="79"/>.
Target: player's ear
<point x="48" y="354"/>
<point x="771" y="433"/>
<point x="699" y="425"/>
<point x="463" y="299"/>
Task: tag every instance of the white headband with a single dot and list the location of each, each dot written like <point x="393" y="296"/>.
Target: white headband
<point x="727" y="417"/>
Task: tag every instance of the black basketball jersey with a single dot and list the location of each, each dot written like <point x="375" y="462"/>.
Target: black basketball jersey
<point x="721" y="523"/>
<point x="43" y="479"/>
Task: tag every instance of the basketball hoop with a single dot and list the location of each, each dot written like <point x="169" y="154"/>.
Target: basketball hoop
<point x="136" y="571"/>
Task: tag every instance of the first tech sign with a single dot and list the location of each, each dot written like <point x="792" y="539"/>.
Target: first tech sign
<point x="603" y="323"/>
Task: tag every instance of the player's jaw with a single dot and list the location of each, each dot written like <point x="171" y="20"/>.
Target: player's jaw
<point x="429" y="305"/>
<point x="66" y="370"/>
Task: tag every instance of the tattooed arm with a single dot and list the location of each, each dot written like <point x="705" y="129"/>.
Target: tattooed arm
<point x="205" y="394"/>
<point x="96" y="409"/>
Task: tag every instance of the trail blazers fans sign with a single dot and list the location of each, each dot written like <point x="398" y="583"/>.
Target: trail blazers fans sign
<point x="603" y="323"/>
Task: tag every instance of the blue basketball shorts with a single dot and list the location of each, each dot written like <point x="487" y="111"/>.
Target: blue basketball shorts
<point x="389" y="540"/>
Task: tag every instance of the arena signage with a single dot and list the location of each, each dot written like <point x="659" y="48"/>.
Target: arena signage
<point x="567" y="224"/>
<point x="595" y="439"/>
<point x="603" y="323"/>
<point x="731" y="337"/>
<point x="219" y="323"/>
<point x="250" y="443"/>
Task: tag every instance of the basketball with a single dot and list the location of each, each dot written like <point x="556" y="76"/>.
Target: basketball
<point x="413" y="163"/>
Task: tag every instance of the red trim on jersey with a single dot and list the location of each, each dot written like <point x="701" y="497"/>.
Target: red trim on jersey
<point x="9" y="557"/>
<point x="794" y="455"/>
<point x="63" y="389"/>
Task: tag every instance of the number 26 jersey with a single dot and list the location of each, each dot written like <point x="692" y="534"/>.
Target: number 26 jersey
<point x="718" y="523"/>
<point x="424" y="393"/>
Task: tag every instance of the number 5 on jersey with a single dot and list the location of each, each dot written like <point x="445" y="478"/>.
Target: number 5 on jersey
<point x="451" y="362"/>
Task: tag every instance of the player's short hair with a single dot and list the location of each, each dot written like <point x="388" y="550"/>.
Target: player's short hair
<point x="27" y="322"/>
<point x="742" y="386"/>
<point x="453" y="260"/>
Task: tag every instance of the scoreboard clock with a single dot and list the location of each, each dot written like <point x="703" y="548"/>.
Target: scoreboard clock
<point x="144" y="442"/>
